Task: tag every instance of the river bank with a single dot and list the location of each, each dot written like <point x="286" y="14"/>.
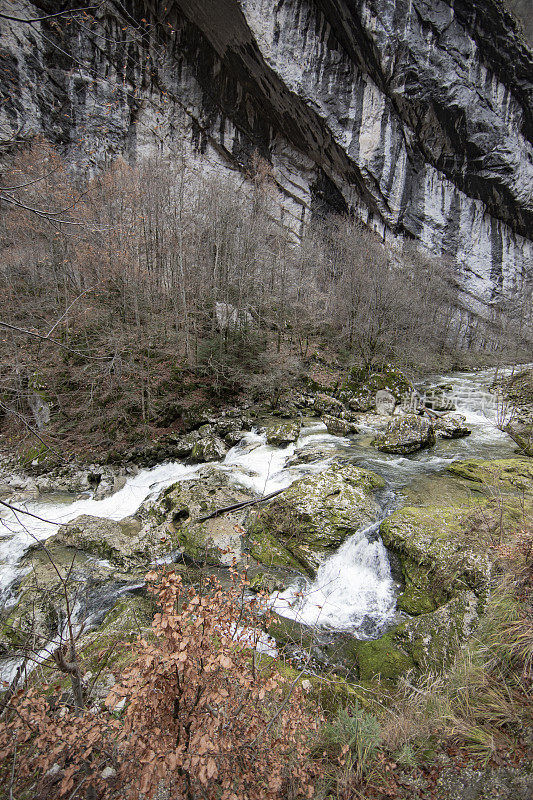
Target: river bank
<point x="379" y="567"/>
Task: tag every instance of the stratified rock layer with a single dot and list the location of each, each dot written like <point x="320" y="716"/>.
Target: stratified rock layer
<point x="417" y="115"/>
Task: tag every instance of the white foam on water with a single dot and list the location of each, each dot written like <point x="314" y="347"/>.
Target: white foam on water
<point x="353" y="588"/>
<point x="20" y="531"/>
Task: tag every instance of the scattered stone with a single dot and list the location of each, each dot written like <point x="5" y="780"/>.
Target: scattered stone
<point x="405" y="435"/>
<point x="109" y="772"/>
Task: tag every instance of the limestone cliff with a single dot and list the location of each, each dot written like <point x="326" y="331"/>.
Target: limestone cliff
<point x="415" y="114"/>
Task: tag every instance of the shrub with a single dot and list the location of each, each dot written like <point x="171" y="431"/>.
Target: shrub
<point x="198" y="712"/>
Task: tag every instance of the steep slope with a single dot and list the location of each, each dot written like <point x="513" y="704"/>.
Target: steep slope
<point x="416" y="114"/>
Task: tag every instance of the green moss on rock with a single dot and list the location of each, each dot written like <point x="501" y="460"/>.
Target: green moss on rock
<point x="433" y="537"/>
<point x="313" y="516"/>
<point x="506" y="473"/>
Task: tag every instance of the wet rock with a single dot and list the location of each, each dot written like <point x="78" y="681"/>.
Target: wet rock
<point x="429" y="641"/>
<point x="40" y="608"/>
<point x="216" y="541"/>
<point x="451" y="427"/>
<point x="338" y="426"/>
<point x="385" y="402"/>
<point x="406" y="434"/>
<point x="433" y="538"/>
<point x="283" y="434"/>
<point x="313" y="516"/>
<point x="210" y="448"/>
<point x="126" y="543"/>
<point x="325" y="404"/>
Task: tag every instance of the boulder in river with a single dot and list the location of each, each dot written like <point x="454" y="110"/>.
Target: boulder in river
<point x="208" y="448"/>
<point x="451" y="426"/>
<point x="215" y="541"/>
<point x="126" y="543"/>
<point x="283" y="433"/>
<point x="339" y="426"/>
<point x="314" y="516"/>
<point x="406" y="434"/>
<point x="433" y="538"/>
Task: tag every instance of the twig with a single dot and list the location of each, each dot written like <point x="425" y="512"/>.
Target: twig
<point x="52" y="341"/>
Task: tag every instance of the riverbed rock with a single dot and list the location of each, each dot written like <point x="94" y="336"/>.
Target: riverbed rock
<point x="40" y="607"/>
<point x="208" y="448"/>
<point x="429" y="641"/>
<point x="405" y="435"/>
<point x="282" y="434"/>
<point x="339" y="426"/>
<point x="313" y="516"/>
<point x="126" y="543"/>
<point x="451" y="426"/>
<point x="510" y="474"/>
<point x="325" y="404"/>
<point x="385" y="402"/>
<point x="216" y="541"/>
<point x="433" y="538"/>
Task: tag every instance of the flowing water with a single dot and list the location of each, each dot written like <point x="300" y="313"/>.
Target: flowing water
<point x="353" y="589"/>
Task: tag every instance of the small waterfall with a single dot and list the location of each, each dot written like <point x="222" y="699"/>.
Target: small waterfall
<point x="353" y="589"/>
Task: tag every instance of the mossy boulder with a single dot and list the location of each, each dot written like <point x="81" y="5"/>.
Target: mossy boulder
<point x="126" y="543"/>
<point x="314" y="516"/>
<point x="181" y="506"/>
<point x="365" y="383"/>
<point x="325" y="404"/>
<point x="282" y="434"/>
<point x="405" y="435"/>
<point x="434" y="539"/>
<point x="427" y="642"/>
<point x="208" y="448"/>
<point x="507" y="474"/>
<point x="339" y="426"/>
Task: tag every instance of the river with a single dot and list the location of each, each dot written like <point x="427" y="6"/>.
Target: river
<point x="354" y="590"/>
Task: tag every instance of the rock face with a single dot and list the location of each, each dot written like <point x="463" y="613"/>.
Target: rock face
<point x="416" y="115"/>
<point x="405" y="435"/>
<point x="314" y="516"/>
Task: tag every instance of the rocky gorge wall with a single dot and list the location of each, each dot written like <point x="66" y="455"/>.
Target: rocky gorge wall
<point x="415" y="114"/>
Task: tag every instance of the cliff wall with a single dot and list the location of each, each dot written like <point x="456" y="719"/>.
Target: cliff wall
<point x="415" y="114"/>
